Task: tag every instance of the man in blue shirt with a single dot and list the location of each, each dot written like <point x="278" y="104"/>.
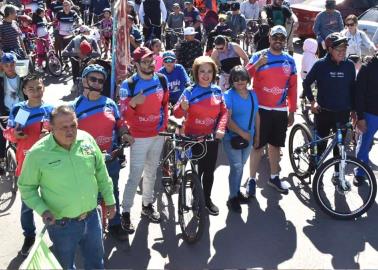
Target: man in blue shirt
<point x="176" y="74"/>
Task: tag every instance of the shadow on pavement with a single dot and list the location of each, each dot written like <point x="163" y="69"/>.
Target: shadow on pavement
<point x="342" y="239"/>
<point x="16" y="262"/>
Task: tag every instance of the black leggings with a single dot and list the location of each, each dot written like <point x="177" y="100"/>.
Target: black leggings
<point x="325" y="121"/>
<point x="206" y="166"/>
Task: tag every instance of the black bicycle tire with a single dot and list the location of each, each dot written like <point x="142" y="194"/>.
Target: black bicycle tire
<point x="11" y="166"/>
<point x="169" y="189"/>
<point x="53" y="73"/>
<point x="358" y="212"/>
<point x="294" y="129"/>
<point x="202" y="213"/>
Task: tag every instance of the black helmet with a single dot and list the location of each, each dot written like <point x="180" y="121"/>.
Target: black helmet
<point x="335" y="39"/>
<point x="235" y="6"/>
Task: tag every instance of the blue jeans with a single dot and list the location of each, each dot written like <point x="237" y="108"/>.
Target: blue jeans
<point x="237" y="159"/>
<point x="113" y="169"/>
<point x="365" y="140"/>
<point x="68" y="235"/>
<point x="27" y="220"/>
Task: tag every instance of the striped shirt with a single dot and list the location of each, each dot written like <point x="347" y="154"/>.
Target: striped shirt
<point x="66" y="22"/>
<point x="9" y="35"/>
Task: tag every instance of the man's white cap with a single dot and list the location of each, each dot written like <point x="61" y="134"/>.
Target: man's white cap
<point x="188" y="31"/>
<point x="278" y="29"/>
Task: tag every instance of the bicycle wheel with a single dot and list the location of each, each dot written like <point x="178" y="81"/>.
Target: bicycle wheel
<point x="300" y="155"/>
<point x="191" y="208"/>
<point x="54" y="65"/>
<point x="347" y="202"/>
<point x="168" y="168"/>
<point x="11" y="166"/>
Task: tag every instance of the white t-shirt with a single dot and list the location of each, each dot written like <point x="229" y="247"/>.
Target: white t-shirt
<point x="10" y="96"/>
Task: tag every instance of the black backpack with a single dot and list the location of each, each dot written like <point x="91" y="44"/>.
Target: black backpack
<point x="131" y="83"/>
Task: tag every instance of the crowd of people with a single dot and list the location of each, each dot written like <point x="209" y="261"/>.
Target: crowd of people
<point x="69" y="157"/>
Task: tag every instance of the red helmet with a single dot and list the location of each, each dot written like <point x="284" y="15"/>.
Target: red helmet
<point x="85" y="47"/>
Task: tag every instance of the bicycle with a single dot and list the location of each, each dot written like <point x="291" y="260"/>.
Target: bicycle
<point x="10" y="164"/>
<point x="249" y="37"/>
<point x="333" y="177"/>
<point x="51" y="59"/>
<point x="177" y="154"/>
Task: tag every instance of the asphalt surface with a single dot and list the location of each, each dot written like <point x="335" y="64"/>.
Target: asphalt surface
<point x="273" y="231"/>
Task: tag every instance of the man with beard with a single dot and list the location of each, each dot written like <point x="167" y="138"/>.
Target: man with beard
<point x="144" y="108"/>
<point x="275" y="82"/>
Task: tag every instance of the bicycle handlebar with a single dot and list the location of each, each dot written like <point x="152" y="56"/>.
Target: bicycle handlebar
<point x="183" y="138"/>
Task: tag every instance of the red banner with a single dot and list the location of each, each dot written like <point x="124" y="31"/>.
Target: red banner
<point x="122" y="44"/>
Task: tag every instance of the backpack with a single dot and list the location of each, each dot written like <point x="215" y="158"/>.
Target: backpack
<point x="131" y="83"/>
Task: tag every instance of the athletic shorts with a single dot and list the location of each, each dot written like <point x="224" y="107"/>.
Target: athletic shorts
<point x="273" y="127"/>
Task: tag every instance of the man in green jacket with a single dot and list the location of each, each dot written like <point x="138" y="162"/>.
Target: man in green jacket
<point x="60" y="179"/>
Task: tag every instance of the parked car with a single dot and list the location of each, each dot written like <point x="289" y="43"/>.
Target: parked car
<point x="368" y="22"/>
<point x="307" y="11"/>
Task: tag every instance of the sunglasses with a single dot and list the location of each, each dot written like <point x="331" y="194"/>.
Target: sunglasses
<point x="279" y="37"/>
<point x="219" y="48"/>
<point x="94" y="79"/>
<point x="350" y="24"/>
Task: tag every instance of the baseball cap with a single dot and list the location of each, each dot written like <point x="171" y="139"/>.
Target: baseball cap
<point x="188" y="1"/>
<point x="222" y="17"/>
<point x="188" y="31"/>
<point x="85" y="47"/>
<point x="8" y="58"/>
<point x="176" y="5"/>
<point x="130" y="3"/>
<point x="141" y="53"/>
<point x="169" y="57"/>
<point x="278" y="29"/>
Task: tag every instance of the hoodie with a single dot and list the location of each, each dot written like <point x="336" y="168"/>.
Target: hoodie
<point x="310" y="46"/>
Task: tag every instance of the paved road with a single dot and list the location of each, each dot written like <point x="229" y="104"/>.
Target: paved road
<point x="273" y="231"/>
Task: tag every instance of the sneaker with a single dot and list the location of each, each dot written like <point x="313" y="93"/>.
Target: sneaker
<point x="234" y="205"/>
<point x="277" y="184"/>
<point x="118" y="232"/>
<point x="126" y="223"/>
<point x="212" y="208"/>
<point x="150" y="212"/>
<point x="243" y="198"/>
<point x="358" y="180"/>
<point x="251" y="187"/>
<point x="28" y="243"/>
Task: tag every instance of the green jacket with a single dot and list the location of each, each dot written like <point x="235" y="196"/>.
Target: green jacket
<point x="66" y="182"/>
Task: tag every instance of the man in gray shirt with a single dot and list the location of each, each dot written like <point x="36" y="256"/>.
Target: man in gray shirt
<point x="327" y="22"/>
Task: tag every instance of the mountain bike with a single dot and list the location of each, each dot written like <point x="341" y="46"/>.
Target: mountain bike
<point x="332" y="186"/>
<point x="10" y="164"/>
<point x="179" y="169"/>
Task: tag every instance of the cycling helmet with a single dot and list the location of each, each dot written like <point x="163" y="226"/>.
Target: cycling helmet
<point x="335" y="39"/>
<point x="94" y="68"/>
<point x="235" y="6"/>
<point x="107" y="10"/>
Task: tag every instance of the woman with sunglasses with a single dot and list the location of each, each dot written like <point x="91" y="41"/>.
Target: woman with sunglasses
<point x="205" y="113"/>
<point x="93" y="108"/>
<point x="356" y="38"/>
<point x="243" y="124"/>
